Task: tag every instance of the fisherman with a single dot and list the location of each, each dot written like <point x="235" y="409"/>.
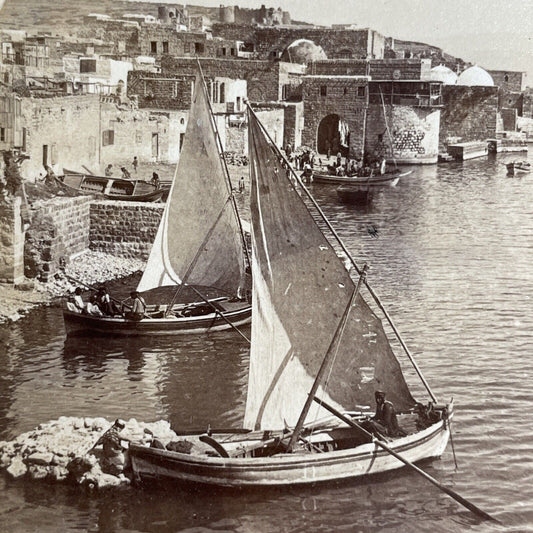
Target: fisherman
<point x="125" y="173"/>
<point x="78" y="302"/>
<point x="384" y="422"/>
<point x="106" y="305"/>
<point x="109" y="170"/>
<point x="135" y="164"/>
<point x="138" y="307"/>
<point x="155" y="180"/>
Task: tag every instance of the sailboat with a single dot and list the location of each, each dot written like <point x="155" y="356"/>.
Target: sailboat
<point x="317" y="348"/>
<point x="200" y="243"/>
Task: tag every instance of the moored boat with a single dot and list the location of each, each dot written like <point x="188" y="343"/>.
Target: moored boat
<point x="518" y="167"/>
<point x="355" y="194"/>
<point x="200" y="243"/>
<point x="317" y="348"/>
<point x="111" y="188"/>
<point x="388" y="178"/>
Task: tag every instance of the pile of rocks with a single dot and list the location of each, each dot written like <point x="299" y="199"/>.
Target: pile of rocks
<point x="77" y="450"/>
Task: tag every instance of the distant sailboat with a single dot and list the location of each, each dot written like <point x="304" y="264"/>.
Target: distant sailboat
<point x="199" y="243"/>
<point x="317" y="348"/>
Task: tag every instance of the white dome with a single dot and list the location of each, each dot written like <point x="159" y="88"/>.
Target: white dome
<point x="475" y="76"/>
<point x="444" y="74"/>
<point x="303" y="51"/>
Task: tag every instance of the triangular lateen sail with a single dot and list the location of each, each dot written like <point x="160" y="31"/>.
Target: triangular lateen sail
<point x="199" y="227"/>
<point x="301" y="290"/>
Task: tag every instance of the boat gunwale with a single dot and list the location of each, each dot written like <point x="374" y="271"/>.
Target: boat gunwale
<point x="290" y="461"/>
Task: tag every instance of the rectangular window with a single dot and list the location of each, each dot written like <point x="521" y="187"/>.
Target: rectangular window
<point x="165" y="47"/>
<point x="186" y="48"/>
<point x="2" y="134"/>
<point x="108" y="137"/>
<point x="323" y="90"/>
<point x="175" y="89"/>
<point x="87" y="65"/>
<point x="223" y="51"/>
<point x="361" y="91"/>
<point x="199" y="48"/>
<point x="138" y="137"/>
<point x="232" y="51"/>
<point x="153" y="47"/>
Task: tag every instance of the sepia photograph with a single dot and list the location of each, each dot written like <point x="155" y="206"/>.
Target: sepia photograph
<point x="266" y="267"/>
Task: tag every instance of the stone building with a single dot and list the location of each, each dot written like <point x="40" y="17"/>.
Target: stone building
<point x="271" y="42"/>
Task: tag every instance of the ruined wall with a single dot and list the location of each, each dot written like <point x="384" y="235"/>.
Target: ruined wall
<point x="122" y="37"/>
<point x="11" y="241"/>
<point x="414" y="133"/>
<point x="125" y="229"/>
<point x="59" y="229"/>
<point x="341" y="99"/>
<point x="469" y="113"/>
<point x="69" y="128"/>
<point x="271" y="42"/>
<point x="509" y="117"/>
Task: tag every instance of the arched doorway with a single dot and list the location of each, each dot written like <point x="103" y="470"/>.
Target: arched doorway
<point x="333" y="135"/>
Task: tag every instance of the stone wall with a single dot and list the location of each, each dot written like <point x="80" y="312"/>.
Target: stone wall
<point x="69" y="128"/>
<point x="385" y="69"/>
<point x="414" y="133"/>
<point x="264" y="78"/>
<point x="125" y="229"/>
<point x="11" y="242"/>
<point x="345" y="97"/>
<point x="59" y="229"/>
<point x="469" y="113"/>
<point x="271" y="42"/>
<point x="149" y="135"/>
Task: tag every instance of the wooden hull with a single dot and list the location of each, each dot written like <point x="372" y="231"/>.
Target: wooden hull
<point x="111" y="188"/>
<point x="518" y="168"/>
<point x="390" y="179"/>
<point x="354" y="194"/>
<point x="150" y="464"/>
<point x="77" y="322"/>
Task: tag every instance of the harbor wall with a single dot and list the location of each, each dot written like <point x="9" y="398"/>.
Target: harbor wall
<point x="414" y="132"/>
<point x="59" y="230"/>
<point x="469" y="114"/>
<point x="124" y="229"/>
<point x="11" y="242"/>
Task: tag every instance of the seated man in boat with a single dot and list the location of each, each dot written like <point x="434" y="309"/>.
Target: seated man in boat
<point x="105" y="303"/>
<point x="138" y="308"/>
<point x="384" y="422"/>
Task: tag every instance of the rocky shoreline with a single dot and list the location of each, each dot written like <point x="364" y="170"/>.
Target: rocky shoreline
<point x="90" y="452"/>
<point x="88" y="269"/>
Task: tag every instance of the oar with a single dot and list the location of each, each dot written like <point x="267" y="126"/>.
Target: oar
<point x="469" y="505"/>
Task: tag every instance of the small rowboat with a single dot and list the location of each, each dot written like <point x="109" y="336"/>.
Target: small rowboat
<point x="355" y="194"/>
<point x="518" y="167"/>
<point x="389" y="178"/>
<point x="110" y="188"/>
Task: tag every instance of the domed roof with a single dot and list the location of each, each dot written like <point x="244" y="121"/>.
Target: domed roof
<point x="303" y="51"/>
<point x="444" y="74"/>
<point x="475" y="76"/>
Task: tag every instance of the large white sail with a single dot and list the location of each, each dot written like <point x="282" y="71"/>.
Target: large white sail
<point x="301" y="290"/>
<point x="199" y="236"/>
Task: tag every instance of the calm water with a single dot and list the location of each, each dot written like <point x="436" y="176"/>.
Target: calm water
<point x="452" y="262"/>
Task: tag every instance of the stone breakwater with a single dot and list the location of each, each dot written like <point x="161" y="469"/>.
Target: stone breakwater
<point x="64" y="450"/>
<point x="90" y="268"/>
